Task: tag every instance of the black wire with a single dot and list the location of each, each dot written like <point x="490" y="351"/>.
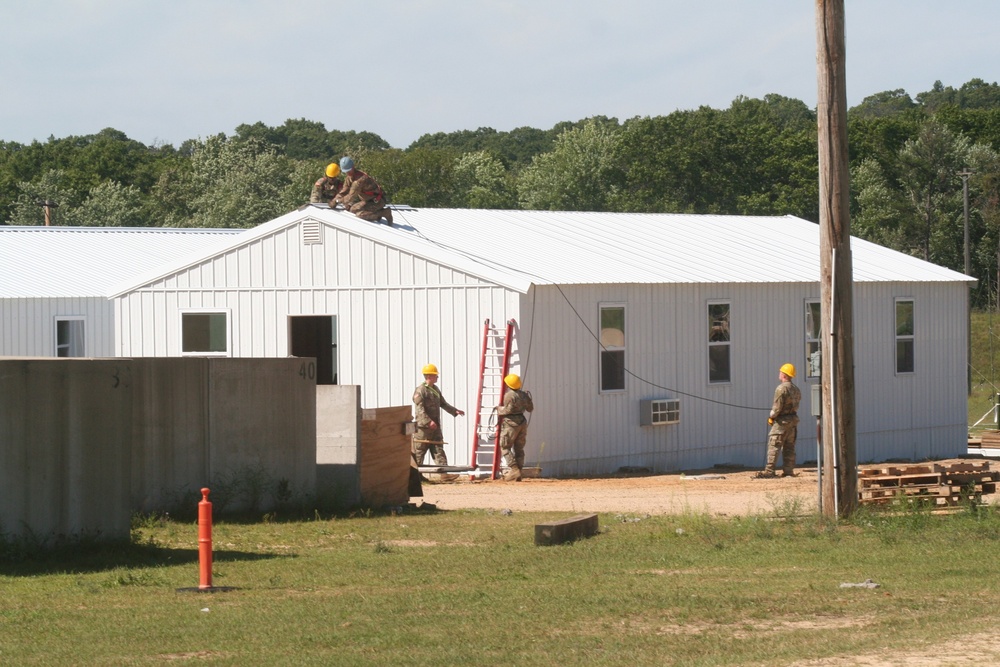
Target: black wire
<point x="582" y="322"/>
<point x="641" y="379"/>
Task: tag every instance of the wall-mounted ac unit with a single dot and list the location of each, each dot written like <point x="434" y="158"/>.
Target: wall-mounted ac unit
<point x="659" y="411"/>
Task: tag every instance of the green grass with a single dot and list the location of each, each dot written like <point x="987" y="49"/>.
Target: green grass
<point x="985" y="367"/>
<point x="470" y="587"/>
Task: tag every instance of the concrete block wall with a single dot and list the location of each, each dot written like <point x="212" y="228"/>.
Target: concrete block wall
<point x="65" y="448"/>
<point x="86" y="442"/>
<point x="338" y="444"/>
<point x="238" y="425"/>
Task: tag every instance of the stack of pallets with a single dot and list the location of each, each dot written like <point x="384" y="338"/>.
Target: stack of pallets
<point x="940" y="485"/>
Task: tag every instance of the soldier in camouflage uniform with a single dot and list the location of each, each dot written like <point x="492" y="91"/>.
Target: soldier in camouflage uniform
<point x="362" y="195"/>
<point x="429" y="402"/>
<point x="514" y="426"/>
<point x="326" y="188"/>
<point x="783" y="419"/>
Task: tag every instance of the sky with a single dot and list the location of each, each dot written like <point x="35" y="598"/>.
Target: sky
<point x="168" y="71"/>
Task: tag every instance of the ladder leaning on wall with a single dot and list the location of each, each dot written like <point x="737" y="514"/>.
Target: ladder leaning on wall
<point x="493" y="367"/>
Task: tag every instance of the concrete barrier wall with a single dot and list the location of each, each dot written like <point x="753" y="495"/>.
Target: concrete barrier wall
<point x="338" y="444"/>
<point x="84" y="442"/>
<point x="170" y="459"/>
<point x="245" y="428"/>
<point x="65" y="446"/>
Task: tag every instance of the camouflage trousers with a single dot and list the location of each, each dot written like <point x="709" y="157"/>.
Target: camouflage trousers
<point x="427" y="440"/>
<point x="513" y="437"/>
<point x="781" y="443"/>
<point x="370" y="210"/>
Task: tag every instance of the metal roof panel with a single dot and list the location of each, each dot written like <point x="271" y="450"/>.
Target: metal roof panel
<point x="87" y="261"/>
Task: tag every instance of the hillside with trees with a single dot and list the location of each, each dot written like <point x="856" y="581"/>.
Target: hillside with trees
<point x="910" y="158"/>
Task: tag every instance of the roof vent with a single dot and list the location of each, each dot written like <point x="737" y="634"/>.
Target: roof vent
<point x="312" y="233"/>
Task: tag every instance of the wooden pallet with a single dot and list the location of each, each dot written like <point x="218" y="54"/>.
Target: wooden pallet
<point x="932" y="484"/>
<point x="990" y="439"/>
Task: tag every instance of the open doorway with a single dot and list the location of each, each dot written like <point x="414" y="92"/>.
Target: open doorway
<point x="316" y="336"/>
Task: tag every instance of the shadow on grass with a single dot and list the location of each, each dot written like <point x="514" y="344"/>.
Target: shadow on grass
<point x="31" y="555"/>
<point x="82" y="557"/>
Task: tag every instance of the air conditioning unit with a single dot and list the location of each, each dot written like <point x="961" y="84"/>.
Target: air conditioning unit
<point x="659" y="411"/>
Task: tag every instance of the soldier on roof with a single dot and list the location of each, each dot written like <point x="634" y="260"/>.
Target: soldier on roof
<point x="327" y="187"/>
<point x="362" y="195"/>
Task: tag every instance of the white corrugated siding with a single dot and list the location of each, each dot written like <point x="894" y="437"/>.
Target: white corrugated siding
<point x="27" y="326"/>
<point x="584" y="431"/>
<point x="916" y="415"/>
<point x="395" y="313"/>
<point x="403" y="300"/>
<point x="48" y="272"/>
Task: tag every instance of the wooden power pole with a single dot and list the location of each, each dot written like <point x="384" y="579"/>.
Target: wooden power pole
<point x="839" y="438"/>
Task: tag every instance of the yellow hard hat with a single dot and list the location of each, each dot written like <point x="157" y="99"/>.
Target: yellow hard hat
<point x="430" y="369"/>
<point x="788" y="369"/>
<point x="512" y="381"/>
<point x="333" y="170"/>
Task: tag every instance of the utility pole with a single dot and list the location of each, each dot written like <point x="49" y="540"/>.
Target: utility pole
<point x="839" y="446"/>
<point x="48" y="205"/>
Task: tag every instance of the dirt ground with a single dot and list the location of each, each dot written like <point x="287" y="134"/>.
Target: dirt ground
<point x="720" y="492"/>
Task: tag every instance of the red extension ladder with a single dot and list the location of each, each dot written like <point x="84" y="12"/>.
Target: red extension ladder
<point x="493" y="367"/>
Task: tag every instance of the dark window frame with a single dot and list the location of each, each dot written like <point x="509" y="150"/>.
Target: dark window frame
<point x="202" y="335"/>
<point x="612" y="347"/>
<point x="905" y="335"/>
<point x="720" y="351"/>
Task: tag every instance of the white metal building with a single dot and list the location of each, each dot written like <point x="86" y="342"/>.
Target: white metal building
<point x="622" y="320"/>
<point x="54" y="283"/>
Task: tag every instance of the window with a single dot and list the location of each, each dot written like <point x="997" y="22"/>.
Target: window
<point x="904" y="335"/>
<point x="205" y="333"/>
<point x="612" y="348"/>
<point x="69" y="337"/>
<point x="813" y="335"/>
<point x="659" y="411"/>
<point x="718" y="342"/>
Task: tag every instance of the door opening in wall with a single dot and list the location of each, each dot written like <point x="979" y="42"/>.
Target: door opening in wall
<point x="316" y="336"/>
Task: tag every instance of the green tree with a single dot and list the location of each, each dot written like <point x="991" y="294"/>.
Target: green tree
<point x="418" y="177"/>
<point x="482" y="181"/>
<point x="975" y="94"/>
<point x="84" y="163"/>
<point x="881" y="212"/>
<point x="302" y="139"/>
<point x="579" y="174"/>
<point x="516" y="148"/>
<point x="886" y="103"/>
<point x="235" y="183"/>
<point x="984" y="219"/>
<point x="881" y="137"/>
<point x="928" y="165"/>
<point x="777" y="168"/>
<point x="756" y="157"/>
<point x="51" y="186"/>
<point x="109" y="204"/>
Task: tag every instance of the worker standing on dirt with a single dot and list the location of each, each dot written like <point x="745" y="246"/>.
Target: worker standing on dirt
<point x="326" y="188"/>
<point x="361" y="194"/>
<point x="783" y="420"/>
<point x="429" y="402"/>
<point x="514" y="426"/>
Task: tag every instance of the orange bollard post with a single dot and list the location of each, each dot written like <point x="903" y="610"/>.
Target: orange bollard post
<point x="205" y="541"/>
<point x="205" y="550"/>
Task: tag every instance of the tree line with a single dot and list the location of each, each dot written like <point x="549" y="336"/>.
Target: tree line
<point x="913" y="160"/>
